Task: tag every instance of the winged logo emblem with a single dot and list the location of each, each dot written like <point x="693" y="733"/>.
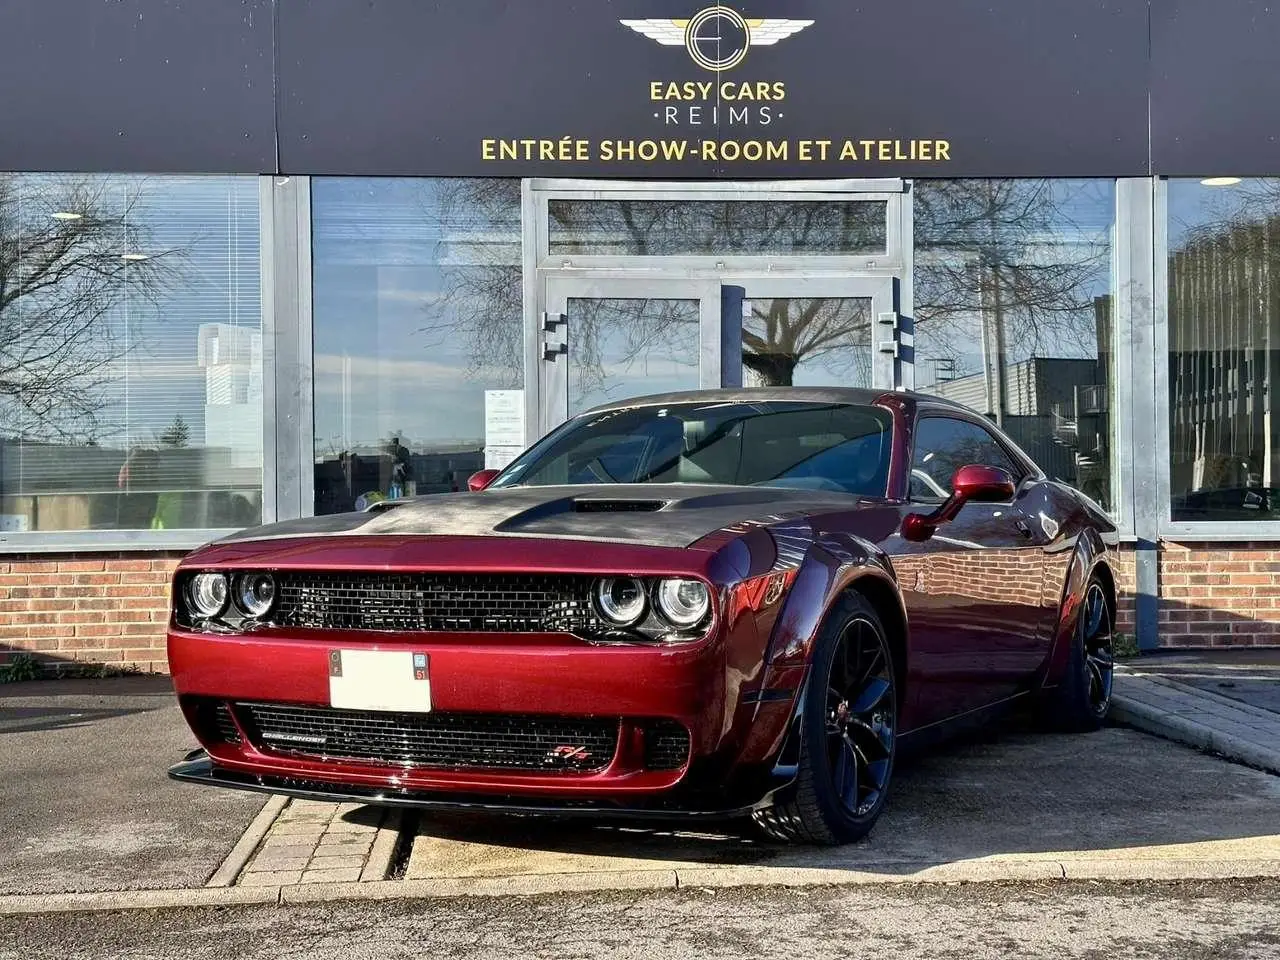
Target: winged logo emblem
<point x="717" y="38"/>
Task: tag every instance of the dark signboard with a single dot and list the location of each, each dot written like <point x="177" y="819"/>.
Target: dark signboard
<point x="137" y="86"/>
<point x="1215" y="77"/>
<point x="641" y="88"/>
<point x="683" y="88"/>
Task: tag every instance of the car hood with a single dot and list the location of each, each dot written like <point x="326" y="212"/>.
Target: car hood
<point x="666" y="515"/>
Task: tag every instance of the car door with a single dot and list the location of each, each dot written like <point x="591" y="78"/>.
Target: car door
<point x="973" y="590"/>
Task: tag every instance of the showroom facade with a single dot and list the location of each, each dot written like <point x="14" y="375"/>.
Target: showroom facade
<point x="236" y="291"/>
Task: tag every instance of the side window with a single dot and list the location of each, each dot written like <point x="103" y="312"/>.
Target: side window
<point x="942" y="446"/>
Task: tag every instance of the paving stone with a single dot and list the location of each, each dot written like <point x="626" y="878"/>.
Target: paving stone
<point x="344" y="842"/>
<point x="336" y="863"/>
<point x="347" y="826"/>
<point x="292" y="848"/>
<point x="320" y="818"/>
<point x="277" y="864"/>
<point x="270" y="879"/>
<point x="331" y="876"/>
<point x="297" y="827"/>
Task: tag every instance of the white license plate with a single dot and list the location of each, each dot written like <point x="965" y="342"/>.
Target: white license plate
<point x="379" y="680"/>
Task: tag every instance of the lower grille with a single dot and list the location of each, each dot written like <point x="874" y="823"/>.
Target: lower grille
<point x="452" y="741"/>
<point x="666" y="745"/>
<point x="211" y="720"/>
<point x="223" y="723"/>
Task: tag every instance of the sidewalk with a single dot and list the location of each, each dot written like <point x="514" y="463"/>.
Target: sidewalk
<point x="1224" y="701"/>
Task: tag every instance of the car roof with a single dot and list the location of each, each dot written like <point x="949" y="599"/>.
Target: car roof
<point x="851" y="395"/>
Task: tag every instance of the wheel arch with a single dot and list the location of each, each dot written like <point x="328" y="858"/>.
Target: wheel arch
<point x="1091" y="557"/>
<point x="887" y="602"/>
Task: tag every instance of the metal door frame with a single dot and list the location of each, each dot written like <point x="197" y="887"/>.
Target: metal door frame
<point x="552" y="407"/>
<point x="884" y="275"/>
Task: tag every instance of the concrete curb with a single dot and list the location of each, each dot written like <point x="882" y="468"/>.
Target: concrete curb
<point x="378" y="866"/>
<point x="137" y="900"/>
<point x="711" y="878"/>
<point x="241" y="853"/>
<point x="1217" y="698"/>
<point x="1171" y="727"/>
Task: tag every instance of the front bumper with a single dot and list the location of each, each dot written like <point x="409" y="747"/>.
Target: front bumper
<point x="199" y="767"/>
<point x="733" y="735"/>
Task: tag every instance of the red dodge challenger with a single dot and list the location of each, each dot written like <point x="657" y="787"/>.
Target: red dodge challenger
<point x="725" y="603"/>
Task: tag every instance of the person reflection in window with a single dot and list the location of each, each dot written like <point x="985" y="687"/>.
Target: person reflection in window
<point x="137" y="481"/>
<point x="399" y="469"/>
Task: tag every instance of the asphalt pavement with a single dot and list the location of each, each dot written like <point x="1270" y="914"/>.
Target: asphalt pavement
<point x="84" y="800"/>
<point x="1237" y="920"/>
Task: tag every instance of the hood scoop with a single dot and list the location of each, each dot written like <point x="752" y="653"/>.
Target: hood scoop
<point x="614" y="505"/>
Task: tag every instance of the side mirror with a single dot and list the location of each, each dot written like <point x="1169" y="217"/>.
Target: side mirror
<point x="972" y="482"/>
<point x="478" y="481"/>
<point x="982" y="484"/>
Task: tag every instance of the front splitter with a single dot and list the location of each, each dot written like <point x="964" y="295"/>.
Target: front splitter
<point x="199" y="767"/>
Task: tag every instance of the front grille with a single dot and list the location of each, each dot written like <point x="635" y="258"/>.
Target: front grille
<point x="448" y="740"/>
<point x="473" y="602"/>
<point x="666" y="745"/>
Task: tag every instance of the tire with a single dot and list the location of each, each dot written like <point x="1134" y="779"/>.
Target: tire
<point x="853" y="722"/>
<point x="1081" y="702"/>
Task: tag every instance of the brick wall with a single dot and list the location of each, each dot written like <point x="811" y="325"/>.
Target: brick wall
<point x="91" y="608"/>
<point x="1124" y="566"/>
<point x="1219" y="594"/>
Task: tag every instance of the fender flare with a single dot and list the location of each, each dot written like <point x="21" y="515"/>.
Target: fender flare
<point x="1090" y="554"/>
<point x="838" y="562"/>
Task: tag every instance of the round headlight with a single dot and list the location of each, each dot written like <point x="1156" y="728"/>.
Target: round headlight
<point x="207" y="594"/>
<point x="255" y="593"/>
<point x="620" y="600"/>
<point x="683" y="602"/>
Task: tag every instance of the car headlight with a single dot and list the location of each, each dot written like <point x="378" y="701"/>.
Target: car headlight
<point x="683" y="602"/>
<point x="207" y="593"/>
<point x="620" y="600"/>
<point x="255" y="593"/>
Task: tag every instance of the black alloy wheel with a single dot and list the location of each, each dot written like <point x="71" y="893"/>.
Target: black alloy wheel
<point x="847" y="733"/>
<point x="1081" y="701"/>
<point x="1097" y="644"/>
<point x="860" y="717"/>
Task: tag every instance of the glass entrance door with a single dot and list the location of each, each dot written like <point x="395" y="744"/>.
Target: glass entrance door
<point x="818" y="331"/>
<point x="609" y="338"/>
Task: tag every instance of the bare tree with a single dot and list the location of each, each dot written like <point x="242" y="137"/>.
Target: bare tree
<point x="1014" y="256"/>
<point x="71" y="254"/>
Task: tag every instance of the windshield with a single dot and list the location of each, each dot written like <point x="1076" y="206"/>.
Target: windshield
<point x="816" y="446"/>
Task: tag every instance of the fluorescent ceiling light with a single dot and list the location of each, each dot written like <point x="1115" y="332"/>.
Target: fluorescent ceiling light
<point x="133" y="256"/>
<point x="1220" y="181"/>
<point x="67" y="215"/>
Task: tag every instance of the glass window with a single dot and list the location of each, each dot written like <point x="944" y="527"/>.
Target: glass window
<point x="716" y="227"/>
<point x="130" y="353"/>
<point x="806" y="341"/>
<point x="630" y="347"/>
<point x="417" y="313"/>
<point x="1014" y="286"/>
<point x="837" y="447"/>
<point x="942" y="446"/>
<point x="1224" y="348"/>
